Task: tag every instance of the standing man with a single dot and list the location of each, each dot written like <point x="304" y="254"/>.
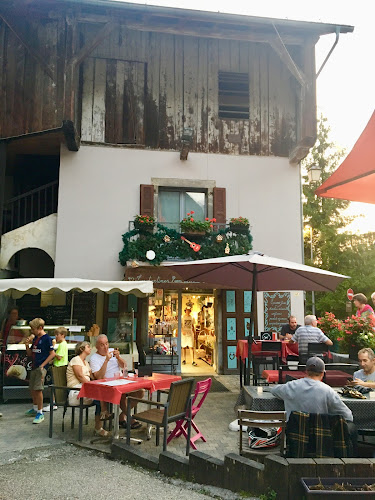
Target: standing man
<point x="309" y="333"/>
<point x="366" y="375"/>
<point x="42" y="353"/>
<point x="289" y="329"/>
<point x="187" y="337"/>
<point x="105" y="363"/>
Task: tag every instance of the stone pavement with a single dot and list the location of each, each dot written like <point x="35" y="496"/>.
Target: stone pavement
<point x="18" y="432"/>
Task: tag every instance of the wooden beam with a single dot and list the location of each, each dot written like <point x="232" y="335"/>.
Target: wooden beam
<point x="279" y="47"/>
<point x="72" y="138"/>
<point x="86" y="50"/>
<point x="22" y="37"/>
<point x="3" y="163"/>
<point x="301" y="150"/>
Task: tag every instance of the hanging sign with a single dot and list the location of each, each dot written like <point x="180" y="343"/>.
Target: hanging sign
<point x="350" y="294"/>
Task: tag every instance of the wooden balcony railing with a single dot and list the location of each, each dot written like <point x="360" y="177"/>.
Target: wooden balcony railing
<point x="30" y="206"/>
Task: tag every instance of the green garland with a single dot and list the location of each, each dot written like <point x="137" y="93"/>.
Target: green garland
<point x="138" y="241"/>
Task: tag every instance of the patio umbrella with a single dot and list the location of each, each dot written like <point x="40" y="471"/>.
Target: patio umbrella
<point x="257" y="272"/>
<point x="17" y="287"/>
<point x="355" y="178"/>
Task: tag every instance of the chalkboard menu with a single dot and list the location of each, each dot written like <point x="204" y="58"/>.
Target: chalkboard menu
<point x="276" y="310"/>
<point x="56" y="315"/>
<point x="84" y="308"/>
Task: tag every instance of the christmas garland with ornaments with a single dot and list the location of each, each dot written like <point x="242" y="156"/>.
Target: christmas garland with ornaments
<point x="165" y="243"/>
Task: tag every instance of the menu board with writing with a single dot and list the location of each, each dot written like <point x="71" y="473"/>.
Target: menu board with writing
<point x="276" y="310"/>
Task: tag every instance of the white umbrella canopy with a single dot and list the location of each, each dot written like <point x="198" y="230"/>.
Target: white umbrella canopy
<point x="258" y="272"/>
<point x="19" y="286"/>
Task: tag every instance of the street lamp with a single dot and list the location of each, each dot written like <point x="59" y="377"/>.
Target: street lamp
<point x="313" y="174"/>
<point x="312" y="261"/>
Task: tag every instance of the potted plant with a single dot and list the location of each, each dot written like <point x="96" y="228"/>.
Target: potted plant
<point x="194" y="227"/>
<point x="339" y="487"/>
<point x="357" y="333"/>
<point x="145" y="222"/>
<point x="332" y="327"/>
<point x="239" y="224"/>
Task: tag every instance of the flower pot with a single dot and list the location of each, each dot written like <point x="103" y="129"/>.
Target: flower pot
<point x="143" y="226"/>
<point x="239" y="228"/>
<point x="355" y="482"/>
<point x="193" y="234"/>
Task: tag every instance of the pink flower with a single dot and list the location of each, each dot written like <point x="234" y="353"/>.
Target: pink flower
<point x="192" y="212"/>
<point x="191" y="220"/>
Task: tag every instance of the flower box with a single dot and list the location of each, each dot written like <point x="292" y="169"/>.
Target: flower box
<point x="144" y="226"/>
<point x="357" y="483"/>
<point x="239" y="228"/>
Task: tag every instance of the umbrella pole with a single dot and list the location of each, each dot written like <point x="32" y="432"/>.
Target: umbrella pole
<point x="71" y="308"/>
<point x="253" y="323"/>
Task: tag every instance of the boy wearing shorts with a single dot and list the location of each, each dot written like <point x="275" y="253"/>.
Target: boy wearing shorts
<point x="42" y="353"/>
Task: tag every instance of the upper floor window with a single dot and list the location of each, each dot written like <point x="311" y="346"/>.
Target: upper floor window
<point x="175" y="203"/>
<point x="233" y="95"/>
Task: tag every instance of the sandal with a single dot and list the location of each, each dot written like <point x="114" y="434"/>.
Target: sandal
<point x="101" y="432"/>
<point x="135" y="424"/>
<point x="106" y="416"/>
<point x="122" y="424"/>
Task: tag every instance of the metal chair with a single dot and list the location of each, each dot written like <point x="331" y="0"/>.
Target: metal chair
<point x="317" y="349"/>
<point x="263" y="419"/>
<point x="267" y="357"/>
<point x="59" y="393"/>
<point x="177" y="407"/>
<point x="201" y="390"/>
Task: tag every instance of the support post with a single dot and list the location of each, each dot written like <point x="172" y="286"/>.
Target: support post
<point x="3" y="164"/>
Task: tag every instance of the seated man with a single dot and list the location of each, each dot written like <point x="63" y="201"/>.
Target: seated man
<point x="309" y="333"/>
<point x="311" y="395"/>
<point x="366" y="375"/>
<point x="289" y="329"/>
<point x="104" y="364"/>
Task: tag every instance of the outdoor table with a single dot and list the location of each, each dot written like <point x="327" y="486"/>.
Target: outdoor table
<point x="111" y="390"/>
<point x="363" y="409"/>
<point x="333" y="378"/>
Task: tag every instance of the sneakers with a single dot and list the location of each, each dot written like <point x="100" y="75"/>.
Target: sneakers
<point x="48" y="408"/>
<point x="38" y="419"/>
<point x="30" y="413"/>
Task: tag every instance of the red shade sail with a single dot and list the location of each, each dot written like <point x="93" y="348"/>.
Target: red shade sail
<point x="354" y="180"/>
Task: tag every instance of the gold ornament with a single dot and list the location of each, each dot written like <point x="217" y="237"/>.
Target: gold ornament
<point x="134" y="263"/>
<point x="227" y="249"/>
<point x="219" y="238"/>
<point x="167" y="238"/>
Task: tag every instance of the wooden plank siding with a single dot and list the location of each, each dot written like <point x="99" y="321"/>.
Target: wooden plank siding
<point x="144" y="87"/>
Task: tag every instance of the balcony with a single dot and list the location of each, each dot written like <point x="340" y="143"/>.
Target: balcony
<point x="30" y="206"/>
<point x="157" y="242"/>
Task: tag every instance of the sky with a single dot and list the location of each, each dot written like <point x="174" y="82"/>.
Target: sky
<point x="346" y="86"/>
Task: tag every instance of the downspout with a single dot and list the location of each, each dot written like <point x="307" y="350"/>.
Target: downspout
<point x="330" y="52"/>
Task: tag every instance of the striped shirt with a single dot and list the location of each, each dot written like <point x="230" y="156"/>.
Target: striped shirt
<point x="306" y="334"/>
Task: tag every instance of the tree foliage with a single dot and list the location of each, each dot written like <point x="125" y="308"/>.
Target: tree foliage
<point x="333" y="247"/>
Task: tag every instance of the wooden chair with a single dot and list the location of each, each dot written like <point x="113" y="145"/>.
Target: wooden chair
<point x="177" y="407"/>
<point x="250" y="418"/>
<point x="59" y="393"/>
<point x="201" y="390"/>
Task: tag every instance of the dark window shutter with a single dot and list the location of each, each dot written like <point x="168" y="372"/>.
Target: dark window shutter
<point x="147" y="199"/>
<point x="220" y="205"/>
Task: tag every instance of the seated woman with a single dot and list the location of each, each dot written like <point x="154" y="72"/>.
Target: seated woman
<point x="78" y="372"/>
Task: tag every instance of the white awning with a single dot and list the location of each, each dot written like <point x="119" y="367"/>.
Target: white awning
<point x="20" y="286"/>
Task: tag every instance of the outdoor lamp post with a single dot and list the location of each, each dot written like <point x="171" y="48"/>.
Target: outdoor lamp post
<point x="312" y="261"/>
<point x="313" y="174"/>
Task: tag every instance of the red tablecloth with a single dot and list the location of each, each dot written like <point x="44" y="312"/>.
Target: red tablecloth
<point x="112" y="394"/>
<point x="334" y="378"/>
<point x="287" y="349"/>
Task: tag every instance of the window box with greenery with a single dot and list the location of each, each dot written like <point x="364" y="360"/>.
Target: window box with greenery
<point x="145" y="222"/>
<point x="194" y="227"/>
<point x="239" y="224"/>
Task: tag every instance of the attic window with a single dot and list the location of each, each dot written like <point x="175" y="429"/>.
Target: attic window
<point x="233" y="95"/>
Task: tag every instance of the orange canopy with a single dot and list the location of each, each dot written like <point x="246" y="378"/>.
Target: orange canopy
<point x="355" y="178"/>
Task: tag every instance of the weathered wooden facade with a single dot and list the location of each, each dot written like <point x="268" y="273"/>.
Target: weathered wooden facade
<point x="127" y="74"/>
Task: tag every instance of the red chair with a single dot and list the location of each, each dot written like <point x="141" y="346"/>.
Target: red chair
<point x="201" y="390"/>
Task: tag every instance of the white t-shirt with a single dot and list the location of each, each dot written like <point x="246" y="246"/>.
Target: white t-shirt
<point x="97" y="360"/>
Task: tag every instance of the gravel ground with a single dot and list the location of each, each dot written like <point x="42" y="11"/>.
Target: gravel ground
<point x="67" y="472"/>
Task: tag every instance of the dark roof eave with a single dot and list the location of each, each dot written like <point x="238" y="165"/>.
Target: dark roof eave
<point x="314" y="27"/>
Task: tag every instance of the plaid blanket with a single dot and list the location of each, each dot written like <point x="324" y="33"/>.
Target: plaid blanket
<point x="312" y="435"/>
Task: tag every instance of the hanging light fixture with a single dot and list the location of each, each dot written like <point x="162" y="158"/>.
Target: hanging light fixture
<point x="313" y="174"/>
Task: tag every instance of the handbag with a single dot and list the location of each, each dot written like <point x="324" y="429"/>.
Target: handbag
<point x="73" y="399"/>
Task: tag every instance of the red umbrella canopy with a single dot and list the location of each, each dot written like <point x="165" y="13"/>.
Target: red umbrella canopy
<point x="355" y="178"/>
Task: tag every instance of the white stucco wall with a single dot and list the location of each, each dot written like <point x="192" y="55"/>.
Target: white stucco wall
<point x="99" y="194"/>
<point x="40" y="234"/>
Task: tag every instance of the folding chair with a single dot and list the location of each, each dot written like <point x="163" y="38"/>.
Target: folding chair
<point x="177" y="407"/>
<point x="202" y="388"/>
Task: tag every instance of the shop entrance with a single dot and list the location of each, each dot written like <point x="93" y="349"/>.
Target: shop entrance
<point x="182" y="324"/>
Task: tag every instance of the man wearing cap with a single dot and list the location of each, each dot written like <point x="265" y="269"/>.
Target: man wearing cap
<point x="311" y="395"/>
